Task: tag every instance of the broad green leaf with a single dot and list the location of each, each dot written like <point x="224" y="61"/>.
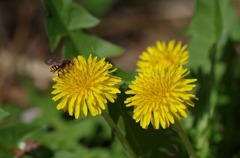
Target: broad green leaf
<point x="230" y="19"/>
<point x="225" y="58"/>
<point x="225" y="53"/>
<point x="86" y="43"/>
<point x="69" y="15"/>
<point x="213" y="24"/>
<point x="211" y="30"/>
<point x="97" y="7"/>
<point x="204" y="33"/>
<point x="65" y="16"/>
<point x="67" y="19"/>
<point x="54" y="32"/>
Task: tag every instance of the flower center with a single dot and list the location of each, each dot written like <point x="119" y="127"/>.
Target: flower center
<point x="158" y="93"/>
<point x="86" y="83"/>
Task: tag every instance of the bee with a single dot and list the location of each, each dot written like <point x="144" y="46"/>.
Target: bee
<point x="58" y="65"/>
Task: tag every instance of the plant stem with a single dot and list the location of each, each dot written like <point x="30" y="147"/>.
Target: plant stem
<point x="177" y="127"/>
<point x="119" y="135"/>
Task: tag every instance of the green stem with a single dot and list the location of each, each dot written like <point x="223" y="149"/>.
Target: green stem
<point x="177" y="127"/>
<point x="119" y="135"/>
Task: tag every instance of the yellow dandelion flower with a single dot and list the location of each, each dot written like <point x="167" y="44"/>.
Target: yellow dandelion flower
<point x="85" y="85"/>
<point x="160" y="95"/>
<point x="163" y="54"/>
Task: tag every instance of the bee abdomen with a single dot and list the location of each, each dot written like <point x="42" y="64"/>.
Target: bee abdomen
<point x="54" y="68"/>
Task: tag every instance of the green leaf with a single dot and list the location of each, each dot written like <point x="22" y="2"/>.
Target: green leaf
<point x="68" y="19"/>
<point x="230" y="19"/>
<point x="97" y="7"/>
<point x="213" y="54"/>
<point x="14" y="112"/>
<point x="70" y="15"/>
<point x="127" y="78"/>
<point x="54" y="33"/>
<point x="229" y="24"/>
<point x="213" y="24"/>
<point x="10" y="136"/>
<point x="86" y="44"/>
<point x="3" y="114"/>
<point x="84" y="154"/>
<point x="65" y="16"/>
<point x="204" y="33"/>
<point x="5" y="153"/>
<point x="145" y="142"/>
<point x="85" y="137"/>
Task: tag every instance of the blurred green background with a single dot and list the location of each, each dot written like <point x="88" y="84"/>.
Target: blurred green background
<point x="33" y="31"/>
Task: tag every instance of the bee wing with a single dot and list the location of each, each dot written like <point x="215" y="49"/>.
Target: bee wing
<point x="51" y="61"/>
